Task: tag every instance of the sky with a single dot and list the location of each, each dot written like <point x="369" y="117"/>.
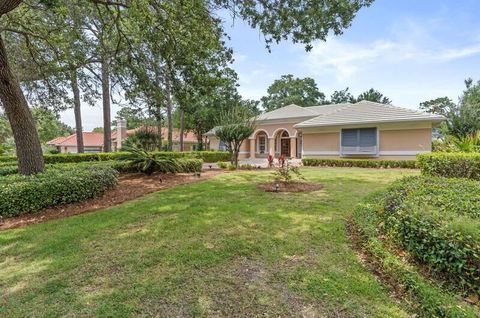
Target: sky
<point x="410" y="50"/>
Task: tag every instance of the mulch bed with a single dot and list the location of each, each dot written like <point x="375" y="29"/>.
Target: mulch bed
<point x="130" y="186"/>
<point x="293" y="186"/>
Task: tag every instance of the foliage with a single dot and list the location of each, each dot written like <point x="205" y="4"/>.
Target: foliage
<point x="145" y="138"/>
<point x="439" y="106"/>
<point x="236" y="125"/>
<point x="47" y="122"/>
<point x="362" y="163"/>
<point x="59" y="185"/>
<point x="437" y="221"/>
<point x="450" y="165"/>
<point x="206" y="156"/>
<point x="48" y="125"/>
<point x="430" y="300"/>
<point x="285" y="172"/>
<point x="183" y="165"/>
<point x="342" y="96"/>
<point x="222" y="165"/>
<point x="462" y="118"/>
<point x="373" y="95"/>
<point x="147" y="162"/>
<point x="289" y="90"/>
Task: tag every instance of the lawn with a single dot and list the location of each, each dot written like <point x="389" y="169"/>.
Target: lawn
<point x="214" y="248"/>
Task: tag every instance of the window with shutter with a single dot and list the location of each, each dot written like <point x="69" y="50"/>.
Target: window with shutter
<point x="361" y="141"/>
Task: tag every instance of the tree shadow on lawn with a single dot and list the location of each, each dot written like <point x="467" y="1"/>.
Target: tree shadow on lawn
<point x="186" y="251"/>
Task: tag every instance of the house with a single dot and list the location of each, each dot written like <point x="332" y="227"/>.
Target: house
<point x="361" y="130"/>
<point x="93" y="142"/>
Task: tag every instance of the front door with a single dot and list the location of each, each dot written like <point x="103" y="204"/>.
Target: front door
<point x="285" y="147"/>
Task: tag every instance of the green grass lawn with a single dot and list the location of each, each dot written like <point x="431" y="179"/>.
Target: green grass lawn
<point x="214" y="248"/>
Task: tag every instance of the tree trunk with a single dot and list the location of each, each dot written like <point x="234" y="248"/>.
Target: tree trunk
<point x="169" y="115"/>
<point x="107" y="129"/>
<point x="78" y="112"/>
<point x="182" y="128"/>
<point x="27" y="143"/>
<point x="159" y="126"/>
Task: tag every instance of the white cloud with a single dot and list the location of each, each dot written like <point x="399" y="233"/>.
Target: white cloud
<point x="344" y="59"/>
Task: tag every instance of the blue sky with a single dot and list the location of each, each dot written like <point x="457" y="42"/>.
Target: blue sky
<point x="410" y="50"/>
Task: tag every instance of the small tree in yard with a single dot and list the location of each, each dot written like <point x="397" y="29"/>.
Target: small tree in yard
<point x="236" y="125"/>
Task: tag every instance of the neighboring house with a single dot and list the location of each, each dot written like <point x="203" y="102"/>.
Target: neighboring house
<point x="361" y="130"/>
<point x="93" y="142"/>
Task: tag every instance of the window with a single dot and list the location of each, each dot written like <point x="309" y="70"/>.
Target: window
<point x="359" y="141"/>
<point x="221" y="145"/>
<point x="262" y="144"/>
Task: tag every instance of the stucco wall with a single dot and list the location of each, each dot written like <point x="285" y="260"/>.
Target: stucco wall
<point x="406" y="140"/>
<point x="272" y="129"/>
<point x="394" y="144"/>
<point x="321" y="142"/>
<point x="214" y="143"/>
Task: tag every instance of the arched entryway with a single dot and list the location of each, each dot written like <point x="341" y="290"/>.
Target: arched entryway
<point x="282" y="143"/>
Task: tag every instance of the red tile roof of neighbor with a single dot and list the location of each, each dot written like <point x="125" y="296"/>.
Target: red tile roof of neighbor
<point x="93" y="139"/>
<point x="90" y="139"/>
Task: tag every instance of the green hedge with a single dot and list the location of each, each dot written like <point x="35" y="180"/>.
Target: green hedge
<point x="362" y="163"/>
<point x="450" y="165"/>
<point x="426" y="297"/>
<point x="22" y="194"/>
<point x="206" y="156"/>
<point x="437" y="221"/>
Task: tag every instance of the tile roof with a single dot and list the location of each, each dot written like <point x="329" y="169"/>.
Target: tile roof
<point x="368" y="112"/>
<point x="90" y="139"/>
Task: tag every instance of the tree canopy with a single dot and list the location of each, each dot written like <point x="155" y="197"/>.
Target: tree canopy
<point x="292" y="90"/>
<point x="373" y="95"/>
<point x="64" y="42"/>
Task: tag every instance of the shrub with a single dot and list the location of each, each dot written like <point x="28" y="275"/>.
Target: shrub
<point x="222" y="165"/>
<point x="59" y="185"/>
<point x="184" y="165"/>
<point x="450" y="165"/>
<point x="436" y="220"/>
<point x="432" y="300"/>
<point x="361" y="163"/>
<point x="247" y="166"/>
<point x="285" y="172"/>
<point x="146" y="139"/>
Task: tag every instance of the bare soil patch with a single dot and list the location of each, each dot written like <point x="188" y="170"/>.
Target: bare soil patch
<point x="130" y="186"/>
<point x="294" y="186"/>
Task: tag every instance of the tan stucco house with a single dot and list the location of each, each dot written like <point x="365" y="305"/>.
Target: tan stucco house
<point x="361" y="130"/>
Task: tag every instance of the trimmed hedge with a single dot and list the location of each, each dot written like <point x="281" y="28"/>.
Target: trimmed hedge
<point x="450" y="165"/>
<point x="428" y="299"/>
<point x="29" y="194"/>
<point x="206" y="156"/>
<point x="437" y="221"/>
<point x="361" y="163"/>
